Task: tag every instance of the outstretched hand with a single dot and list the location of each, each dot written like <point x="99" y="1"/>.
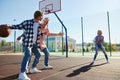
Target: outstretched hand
<point x="18" y="39"/>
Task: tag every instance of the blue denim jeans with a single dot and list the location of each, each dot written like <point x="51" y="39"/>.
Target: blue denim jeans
<point x="27" y="57"/>
<point x="99" y="46"/>
<point x="46" y="52"/>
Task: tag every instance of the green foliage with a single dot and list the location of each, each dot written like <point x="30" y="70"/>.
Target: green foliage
<point x="113" y="47"/>
<point x="4" y="43"/>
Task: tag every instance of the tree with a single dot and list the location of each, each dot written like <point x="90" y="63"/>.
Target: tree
<point x="3" y="43"/>
<point x="107" y="47"/>
<point x="114" y="47"/>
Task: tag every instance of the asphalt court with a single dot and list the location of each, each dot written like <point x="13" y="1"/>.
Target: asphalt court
<point x="72" y="68"/>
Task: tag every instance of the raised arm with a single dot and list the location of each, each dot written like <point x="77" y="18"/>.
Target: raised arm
<point x="55" y="34"/>
<point x="20" y="26"/>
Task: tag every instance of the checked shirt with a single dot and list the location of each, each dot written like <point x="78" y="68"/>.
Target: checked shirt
<point x="27" y="26"/>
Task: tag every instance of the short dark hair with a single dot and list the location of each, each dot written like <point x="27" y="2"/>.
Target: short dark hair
<point x="38" y="13"/>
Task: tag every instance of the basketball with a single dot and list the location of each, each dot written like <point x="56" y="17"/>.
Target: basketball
<point x="4" y="31"/>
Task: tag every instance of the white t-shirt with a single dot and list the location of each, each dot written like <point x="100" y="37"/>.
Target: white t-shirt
<point x="35" y="29"/>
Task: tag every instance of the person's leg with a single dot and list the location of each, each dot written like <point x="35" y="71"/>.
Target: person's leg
<point x="37" y="55"/>
<point x="30" y="59"/>
<point x="46" y="52"/>
<point x="26" y="58"/>
<point x="24" y="64"/>
<point x="95" y="55"/>
<point x="103" y="50"/>
<point x="27" y="71"/>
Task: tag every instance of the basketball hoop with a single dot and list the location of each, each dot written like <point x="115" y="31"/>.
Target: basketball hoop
<point x="50" y="6"/>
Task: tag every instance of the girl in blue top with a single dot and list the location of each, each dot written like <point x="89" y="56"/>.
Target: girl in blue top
<point x="99" y="45"/>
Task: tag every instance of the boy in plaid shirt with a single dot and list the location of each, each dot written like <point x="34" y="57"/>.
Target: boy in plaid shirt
<point x="30" y="42"/>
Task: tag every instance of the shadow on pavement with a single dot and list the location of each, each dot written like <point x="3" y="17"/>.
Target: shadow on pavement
<point x="12" y="77"/>
<point x="83" y="69"/>
<point x="99" y="64"/>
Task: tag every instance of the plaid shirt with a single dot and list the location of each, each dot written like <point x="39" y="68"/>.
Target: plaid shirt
<point x="27" y="26"/>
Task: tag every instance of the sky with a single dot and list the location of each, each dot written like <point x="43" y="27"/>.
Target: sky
<point x="94" y="13"/>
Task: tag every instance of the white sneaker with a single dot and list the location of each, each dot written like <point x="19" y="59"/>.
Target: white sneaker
<point x="48" y="67"/>
<point x="23" y="76"/>
<point x="35" y="70"/>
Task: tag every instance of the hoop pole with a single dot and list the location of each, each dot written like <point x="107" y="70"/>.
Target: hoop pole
<point x="82" y="36"/>
<point x="109" y="33"/>
<point x="62" y="43"/>
<point x="14" y="41"/>
<point x="65" y="34"/>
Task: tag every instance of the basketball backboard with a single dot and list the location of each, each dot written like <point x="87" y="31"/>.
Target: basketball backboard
<point x="50" y="6"/>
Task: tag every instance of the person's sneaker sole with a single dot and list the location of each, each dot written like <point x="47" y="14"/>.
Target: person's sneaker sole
<point x="35" y="72"/>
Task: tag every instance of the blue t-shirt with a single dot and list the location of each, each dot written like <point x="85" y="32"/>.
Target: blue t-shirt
<point x="99" y="40"/>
